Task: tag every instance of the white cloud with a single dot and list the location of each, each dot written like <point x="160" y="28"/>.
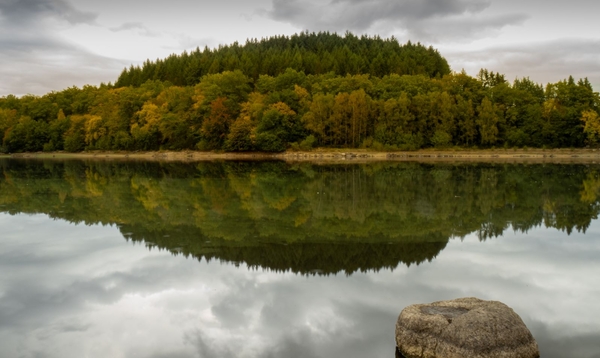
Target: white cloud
<point x="544" y="62"/>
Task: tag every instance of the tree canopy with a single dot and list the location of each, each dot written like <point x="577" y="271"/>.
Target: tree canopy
<point x="311" y="53"/>
<point x="412" y="101"/>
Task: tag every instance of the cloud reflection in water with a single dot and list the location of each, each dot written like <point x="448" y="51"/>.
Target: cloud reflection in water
<point x="73" y="290"/>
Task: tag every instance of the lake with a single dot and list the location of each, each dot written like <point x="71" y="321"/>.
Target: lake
<point x="271" y="259"/>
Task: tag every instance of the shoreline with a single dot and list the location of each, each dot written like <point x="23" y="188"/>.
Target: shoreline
<point x="338" y="155"/>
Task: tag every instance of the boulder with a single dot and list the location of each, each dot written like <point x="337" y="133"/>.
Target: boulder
<point x="463" y="328"/>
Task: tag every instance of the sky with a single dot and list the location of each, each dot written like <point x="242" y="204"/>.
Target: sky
<point x="49" y="45"/>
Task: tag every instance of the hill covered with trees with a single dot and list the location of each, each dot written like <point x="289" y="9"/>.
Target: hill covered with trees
<point x="299" y="92"/>
<point x="310" y="53"/>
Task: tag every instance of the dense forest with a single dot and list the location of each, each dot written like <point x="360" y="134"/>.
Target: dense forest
<point x="302" y="217"/>
<point x="312" y="54"/>
<point x="300" y="92"/>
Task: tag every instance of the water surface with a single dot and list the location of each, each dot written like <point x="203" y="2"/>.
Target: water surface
<point x="267" y="259"/>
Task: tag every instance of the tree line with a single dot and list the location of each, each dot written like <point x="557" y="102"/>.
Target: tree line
<point x="299" y="110"/>
<point x="311" y="53"/>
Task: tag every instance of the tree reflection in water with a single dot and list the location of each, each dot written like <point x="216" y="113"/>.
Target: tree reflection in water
<point x="306" y="218"/>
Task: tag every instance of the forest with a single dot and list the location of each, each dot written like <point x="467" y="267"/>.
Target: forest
<point x="302" y="217"/>
<point x="300" y="92"/>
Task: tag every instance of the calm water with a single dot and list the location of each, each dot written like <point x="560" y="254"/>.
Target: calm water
<point x="266" y="259"/>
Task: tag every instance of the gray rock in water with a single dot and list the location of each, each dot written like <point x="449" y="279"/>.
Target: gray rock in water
<point x="463" y="328"/>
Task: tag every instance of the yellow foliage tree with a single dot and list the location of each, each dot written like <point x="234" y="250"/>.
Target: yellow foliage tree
<point x="145" y="131"/>
<point x="74" y="137"/>
<point x="253" y="108"/>
<point x="341" y="118"/>
<point x="592" y="126"/>
<point x="95" y="130"/>
<point x="359" y="102"/>
<point x="303" y="97"/>
<point x="317" y="119"/>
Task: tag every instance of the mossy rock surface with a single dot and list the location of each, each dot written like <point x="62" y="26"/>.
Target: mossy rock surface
<point x="463" y="328"/>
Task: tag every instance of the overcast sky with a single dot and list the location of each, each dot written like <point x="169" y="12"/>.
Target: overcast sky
<point x="49" y="45"/>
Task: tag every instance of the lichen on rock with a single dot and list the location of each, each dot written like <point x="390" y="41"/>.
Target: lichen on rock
<point x="463" y="328"/>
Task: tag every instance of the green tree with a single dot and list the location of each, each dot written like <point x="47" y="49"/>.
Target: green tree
<point x="8" y="119"/>
<point x="318" y="119"/>
<point x="278" y="126"/>
<point x="487" y="120"/>
<point x="466" y="124"/>
<point x="74" y="137"/>
<point x="240" y="137"/>
<point x="145" y="131"/>
<point x="26" y="135"/>
<point x="56" y="130"/>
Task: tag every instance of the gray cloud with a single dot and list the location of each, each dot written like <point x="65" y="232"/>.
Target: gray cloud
<point x="189" y="42"/>
<point x="25" y="68"/>
<point x="26" y="12"/>
<point x="425" y="20"/>
<point x="555" y="344"/>
<point x="544" y="62"/>
<point x="462" y="27"/>
<point x="206" y="347"/>
<point x="140" y="28"/>
<point x="36" y="59"/>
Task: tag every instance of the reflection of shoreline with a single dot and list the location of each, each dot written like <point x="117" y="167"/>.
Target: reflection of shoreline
<point x="342" y="155"/>
<point x="329" y="216"/>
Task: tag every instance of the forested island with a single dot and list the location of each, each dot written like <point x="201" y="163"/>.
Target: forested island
<point x="300" y="92"/>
